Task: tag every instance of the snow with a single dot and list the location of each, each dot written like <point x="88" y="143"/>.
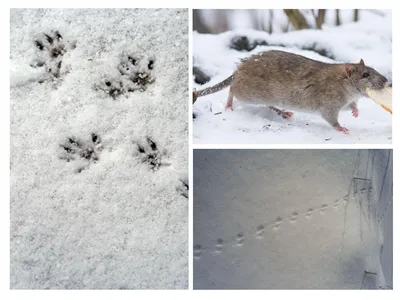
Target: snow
<point x="369" y="39"/>
<point x="96" y="212"/>
<point x="292" y="219"/>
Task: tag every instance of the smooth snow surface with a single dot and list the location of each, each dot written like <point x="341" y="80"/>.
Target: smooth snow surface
<point x="107" y="211"/>
<point x="292" y="219"/>
<point x="369" y="39"/>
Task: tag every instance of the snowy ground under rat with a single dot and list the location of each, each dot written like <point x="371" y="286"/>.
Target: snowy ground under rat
<point x="99" y="155"/>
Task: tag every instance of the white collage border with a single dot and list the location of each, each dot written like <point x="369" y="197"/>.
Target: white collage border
<point x="6" y="293"/>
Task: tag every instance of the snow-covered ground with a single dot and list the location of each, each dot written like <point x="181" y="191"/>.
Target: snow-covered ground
<point x="369" y="39"/>
<point x="99" y="156"/>
<point x="292" y="219"/>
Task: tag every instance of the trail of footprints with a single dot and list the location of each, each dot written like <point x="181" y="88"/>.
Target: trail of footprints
<point x="73" y="149"/>
<point x="135" y="74"/>
<point x="239" y="239"/>
<point x="380" y="217"/>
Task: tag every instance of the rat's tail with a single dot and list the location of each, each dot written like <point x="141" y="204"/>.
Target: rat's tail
<point x="213" y="89"/>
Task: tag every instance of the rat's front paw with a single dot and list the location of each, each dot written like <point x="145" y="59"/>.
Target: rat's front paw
<point x="354" y="111"/>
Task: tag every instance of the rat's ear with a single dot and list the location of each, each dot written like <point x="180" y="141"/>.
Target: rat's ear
<point x="361" y="62"/>
<point x="350" y="69"/>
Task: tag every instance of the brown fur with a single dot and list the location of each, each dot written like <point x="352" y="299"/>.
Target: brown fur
<point x="296" y="82"/>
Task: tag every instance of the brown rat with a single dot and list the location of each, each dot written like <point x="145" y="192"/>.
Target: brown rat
<point x="293" y="81"/>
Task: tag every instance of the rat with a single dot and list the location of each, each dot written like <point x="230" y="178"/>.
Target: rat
<point x="288" y="80"/>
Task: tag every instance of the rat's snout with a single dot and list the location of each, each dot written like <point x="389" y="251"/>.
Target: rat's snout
<point x="381" y="82"/>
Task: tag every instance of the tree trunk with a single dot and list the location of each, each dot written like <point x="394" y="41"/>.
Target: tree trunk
<point x="254" y="18"/>
<point x="355" y="15"/>
<point x="198" y="24"/>
<point x="338" y="17"/>
<point x="271" y="18"/>
<point x="297" y="19"/>
<point x="221" y="24"/>
<point x="320" y="18"/>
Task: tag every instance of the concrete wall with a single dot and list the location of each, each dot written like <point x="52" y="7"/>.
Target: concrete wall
<point x="382" y="182"/>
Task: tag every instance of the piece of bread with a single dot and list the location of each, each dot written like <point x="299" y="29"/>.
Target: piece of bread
<point x="382" y="97"/>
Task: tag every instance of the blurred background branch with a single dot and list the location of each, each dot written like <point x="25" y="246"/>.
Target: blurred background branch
<point x="320" y="18"/>
<point x="296" y="18"/>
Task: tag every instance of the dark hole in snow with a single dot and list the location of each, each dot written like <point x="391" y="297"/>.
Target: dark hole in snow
<point x="59" y="37"/>
<point x="132" y="60"/>
<point x="49" y="38"/>
<point x="152" y="144"/>
<point x="39" y="45"/>
<point x="141" y="149"/>
<point x="95" y="138"/>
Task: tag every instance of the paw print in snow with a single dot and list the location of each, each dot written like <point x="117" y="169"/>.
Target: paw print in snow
<point x="183" y="188"/>
<point x="51" y="49"/>
<point x="135" y="74"/>
<point x="87" y="151"/>
<point x="151" y="155"/>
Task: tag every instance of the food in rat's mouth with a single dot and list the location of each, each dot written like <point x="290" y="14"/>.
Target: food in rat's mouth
<point x="383" y="97"/>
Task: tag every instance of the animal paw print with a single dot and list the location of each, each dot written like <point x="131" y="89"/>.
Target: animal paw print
<point x="135" y="75"/>
<point x="197" y="251"/>
<point x="88" y="151"/>
<point x="52" y="48"/>
<point x="150" y="154"/>
<point x="183" y="188"/>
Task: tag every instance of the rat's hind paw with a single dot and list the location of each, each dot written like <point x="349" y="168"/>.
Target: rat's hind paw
<point x="287" y="115"/>
<point x="280" y="112"/>
<point x="342" y="129"/>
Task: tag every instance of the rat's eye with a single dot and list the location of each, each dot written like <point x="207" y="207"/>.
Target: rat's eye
<point x="365" y="75"/>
